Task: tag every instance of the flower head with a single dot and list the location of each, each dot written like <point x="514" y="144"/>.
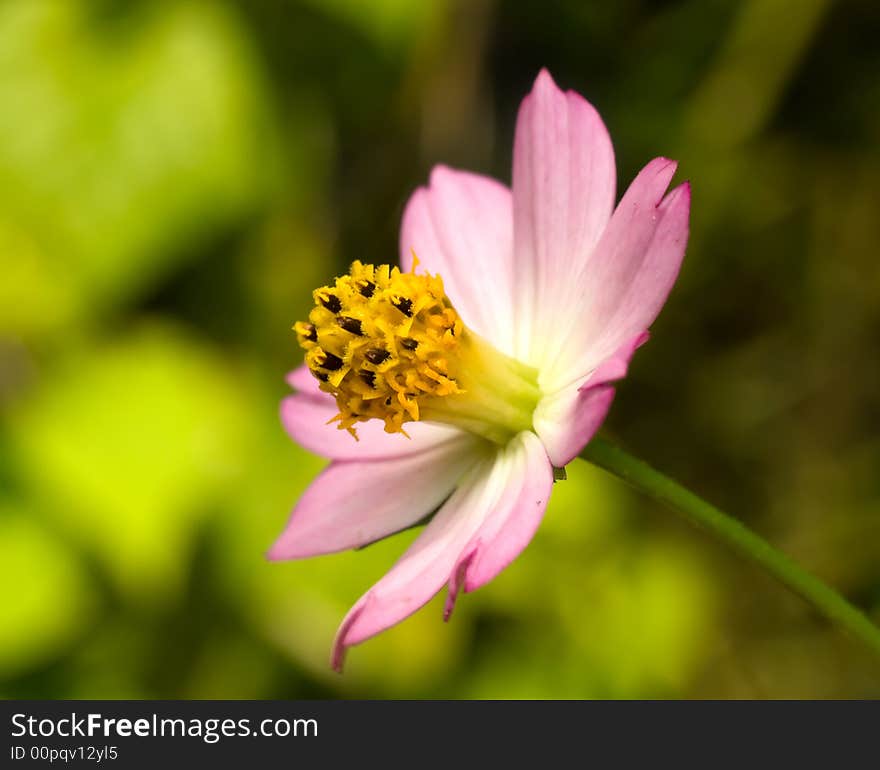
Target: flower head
<point x="454" y="384"/>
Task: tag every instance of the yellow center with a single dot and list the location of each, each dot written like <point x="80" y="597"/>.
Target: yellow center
<point x="391" y="346"/>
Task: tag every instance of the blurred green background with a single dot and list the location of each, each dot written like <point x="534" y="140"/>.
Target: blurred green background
<point x="175" y="177"/>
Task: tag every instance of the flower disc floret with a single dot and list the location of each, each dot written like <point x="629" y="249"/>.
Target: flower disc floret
<point x="390" y="345"/>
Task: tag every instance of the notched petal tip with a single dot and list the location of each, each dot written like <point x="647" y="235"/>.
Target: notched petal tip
<point x="275" y="552"/>
<point x="679" y="196"/>
<point x="545" y="86"/>
<point x="509" y="528"/>
<point x="341" y="642"/>
<point x="674" y="228"/>
<point x="489" y="561"/>
<point x="545" y="80"/>
<point x="458" y="579"/>
<point x="544" y="92"/>
<point x="657" y="174"/>
<point x="440" y="173"/>
<point x="681" y="191"/>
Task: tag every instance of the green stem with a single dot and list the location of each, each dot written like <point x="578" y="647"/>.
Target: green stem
<point x="732" y="532"/>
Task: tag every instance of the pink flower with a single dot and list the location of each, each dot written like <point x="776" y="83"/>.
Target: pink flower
<point x="509" y="360"/>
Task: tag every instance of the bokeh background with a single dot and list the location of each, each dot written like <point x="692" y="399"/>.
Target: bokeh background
<point x="175" y="177"/>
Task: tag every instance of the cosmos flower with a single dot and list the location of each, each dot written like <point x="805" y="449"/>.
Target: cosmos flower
<point x="449" y="389"/>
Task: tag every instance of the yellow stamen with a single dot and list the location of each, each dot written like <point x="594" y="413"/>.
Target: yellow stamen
<point x="391" y="346"/>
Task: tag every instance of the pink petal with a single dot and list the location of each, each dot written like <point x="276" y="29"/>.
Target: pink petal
<point x="568" y="419"/>
<point x="307" y="413"/>
<point x="354" y="503"/>
<point x="301" y="379"/>
<point x="461" y="227"/>
<point x="563" y="193"/>
<point x="628" y="277"/>
<point x="437" y="555"/>
<point x="511" y="523"/>
<point x="646" y="294"/>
